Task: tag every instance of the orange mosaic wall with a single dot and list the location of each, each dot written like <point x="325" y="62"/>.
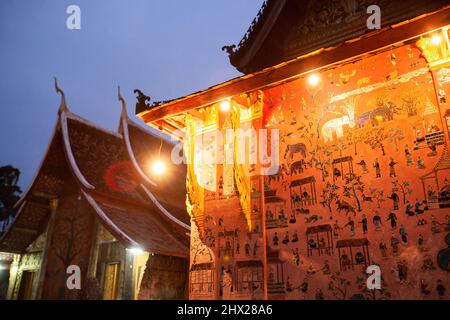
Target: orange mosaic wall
<point x="363" y="180"/>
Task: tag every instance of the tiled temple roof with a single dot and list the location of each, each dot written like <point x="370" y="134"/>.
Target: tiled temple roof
<point x="285" y="29"/>
<point x="136" y="212"/>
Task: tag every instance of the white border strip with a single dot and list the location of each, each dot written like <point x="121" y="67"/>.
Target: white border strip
<point x="69" y="153"/>
<point x="166" y="213"/>
<point x="131" y="154"/>
<point x="102" y="215"/>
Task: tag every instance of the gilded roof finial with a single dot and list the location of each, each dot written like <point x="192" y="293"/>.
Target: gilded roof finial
<point x="62" y="105"/>
<point x="122" y="100"/>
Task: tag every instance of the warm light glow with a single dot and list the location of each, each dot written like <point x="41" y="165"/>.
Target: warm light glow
<point x="158" y="167"/>
<point x="313" y="79"/>
<point x="436" y="39"/>
<point x="136" y="250"/>
<point x="225" y="105"/>
<point x="379" y="118"/>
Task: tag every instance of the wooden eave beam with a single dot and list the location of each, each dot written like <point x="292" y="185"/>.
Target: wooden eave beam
<point x="298" y="67"/>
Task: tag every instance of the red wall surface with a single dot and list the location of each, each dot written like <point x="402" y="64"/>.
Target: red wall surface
<point x="358" y="147"/>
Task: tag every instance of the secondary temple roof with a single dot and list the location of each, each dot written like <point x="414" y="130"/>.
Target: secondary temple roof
<point x="285" y="29"/>
<point x="108" y="169"/>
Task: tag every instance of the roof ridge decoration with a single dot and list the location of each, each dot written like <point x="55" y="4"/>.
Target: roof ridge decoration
<point x="231" y="49"/>
<point x="62" y="106"/>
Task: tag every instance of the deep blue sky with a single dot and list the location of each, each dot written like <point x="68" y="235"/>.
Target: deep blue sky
<point x="167" y="48"/>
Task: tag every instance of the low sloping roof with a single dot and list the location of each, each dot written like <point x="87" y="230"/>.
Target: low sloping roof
<point x="99" y="164"/>
<point x="136" y="226"/>
<point x="303" y="181"/>
<point x="317" y="229"/>
<point x="352" y="243"/>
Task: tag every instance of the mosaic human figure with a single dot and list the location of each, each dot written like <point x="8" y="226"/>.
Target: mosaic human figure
<point x="421" y="242"/>
<point x="292" y="218"/>
<point x="394" y="244"/>
<point x="418" y="207"/>
<point x="319" y="295"/>
<point x="392" y="217"/>
<point x="364" y="224"/>
<point x="435" y="225"/>
<point x="275" y="239"/>
<point x="377" y="167"/>
<point x="336" y="229"/>
<point x="286" y="238"/>
<point x="383" y="249"/>
<point x="420" y="163"/>
<point x="345" y="261"/>
<point x="392" y="165"/>
<point x="227" y="283"/>
<point x="326" y="268"/>
<point x="431" y="194"/>
<point x="409" y="209"/>
<point x="409" y="160"/>
<point x="395" y="199"/>
<point x="351" y="225"/>
<point x="312" y="244"/>
<point x="424" y="288"/>
<point x="247" y="249"/>
<point x="363" y="165"/>
<point x="296" y="256"/>
<point x="403" y="234"/>
<point x="377" y="221"/>
<point x="440" y="288"/>
<point x="402" y="269"/>
<point x="295" y="237"/>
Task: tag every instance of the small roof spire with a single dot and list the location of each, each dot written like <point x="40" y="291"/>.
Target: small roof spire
<point x="122" y="100"/>
<point x="62" y="105"/>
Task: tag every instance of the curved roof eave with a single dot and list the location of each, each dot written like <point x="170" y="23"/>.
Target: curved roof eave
<point x="69" y="153"/>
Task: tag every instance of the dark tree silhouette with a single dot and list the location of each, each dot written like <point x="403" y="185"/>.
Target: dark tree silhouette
<point x="9" y="190"/>
<point x="354" y="188"/>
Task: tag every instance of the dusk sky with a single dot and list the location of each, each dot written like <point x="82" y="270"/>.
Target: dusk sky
<point x="166" y="48"/>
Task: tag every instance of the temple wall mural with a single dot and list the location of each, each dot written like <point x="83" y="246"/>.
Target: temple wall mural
<point x="70" y="245"/>
<point x="363" y="179"/>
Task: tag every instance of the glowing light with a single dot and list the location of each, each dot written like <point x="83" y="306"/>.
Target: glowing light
<point x="379" y="118"/>
<point x="135" y="251"/>
<point x="158" y="167"/>
<point x="436" y="40"/>
<point x="313" y="80"/>
<point x="225" y="105"/>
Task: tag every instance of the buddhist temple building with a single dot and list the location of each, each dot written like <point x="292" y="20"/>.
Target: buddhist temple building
<point x="329" y="155"/>
<point x="96" y="205"/>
